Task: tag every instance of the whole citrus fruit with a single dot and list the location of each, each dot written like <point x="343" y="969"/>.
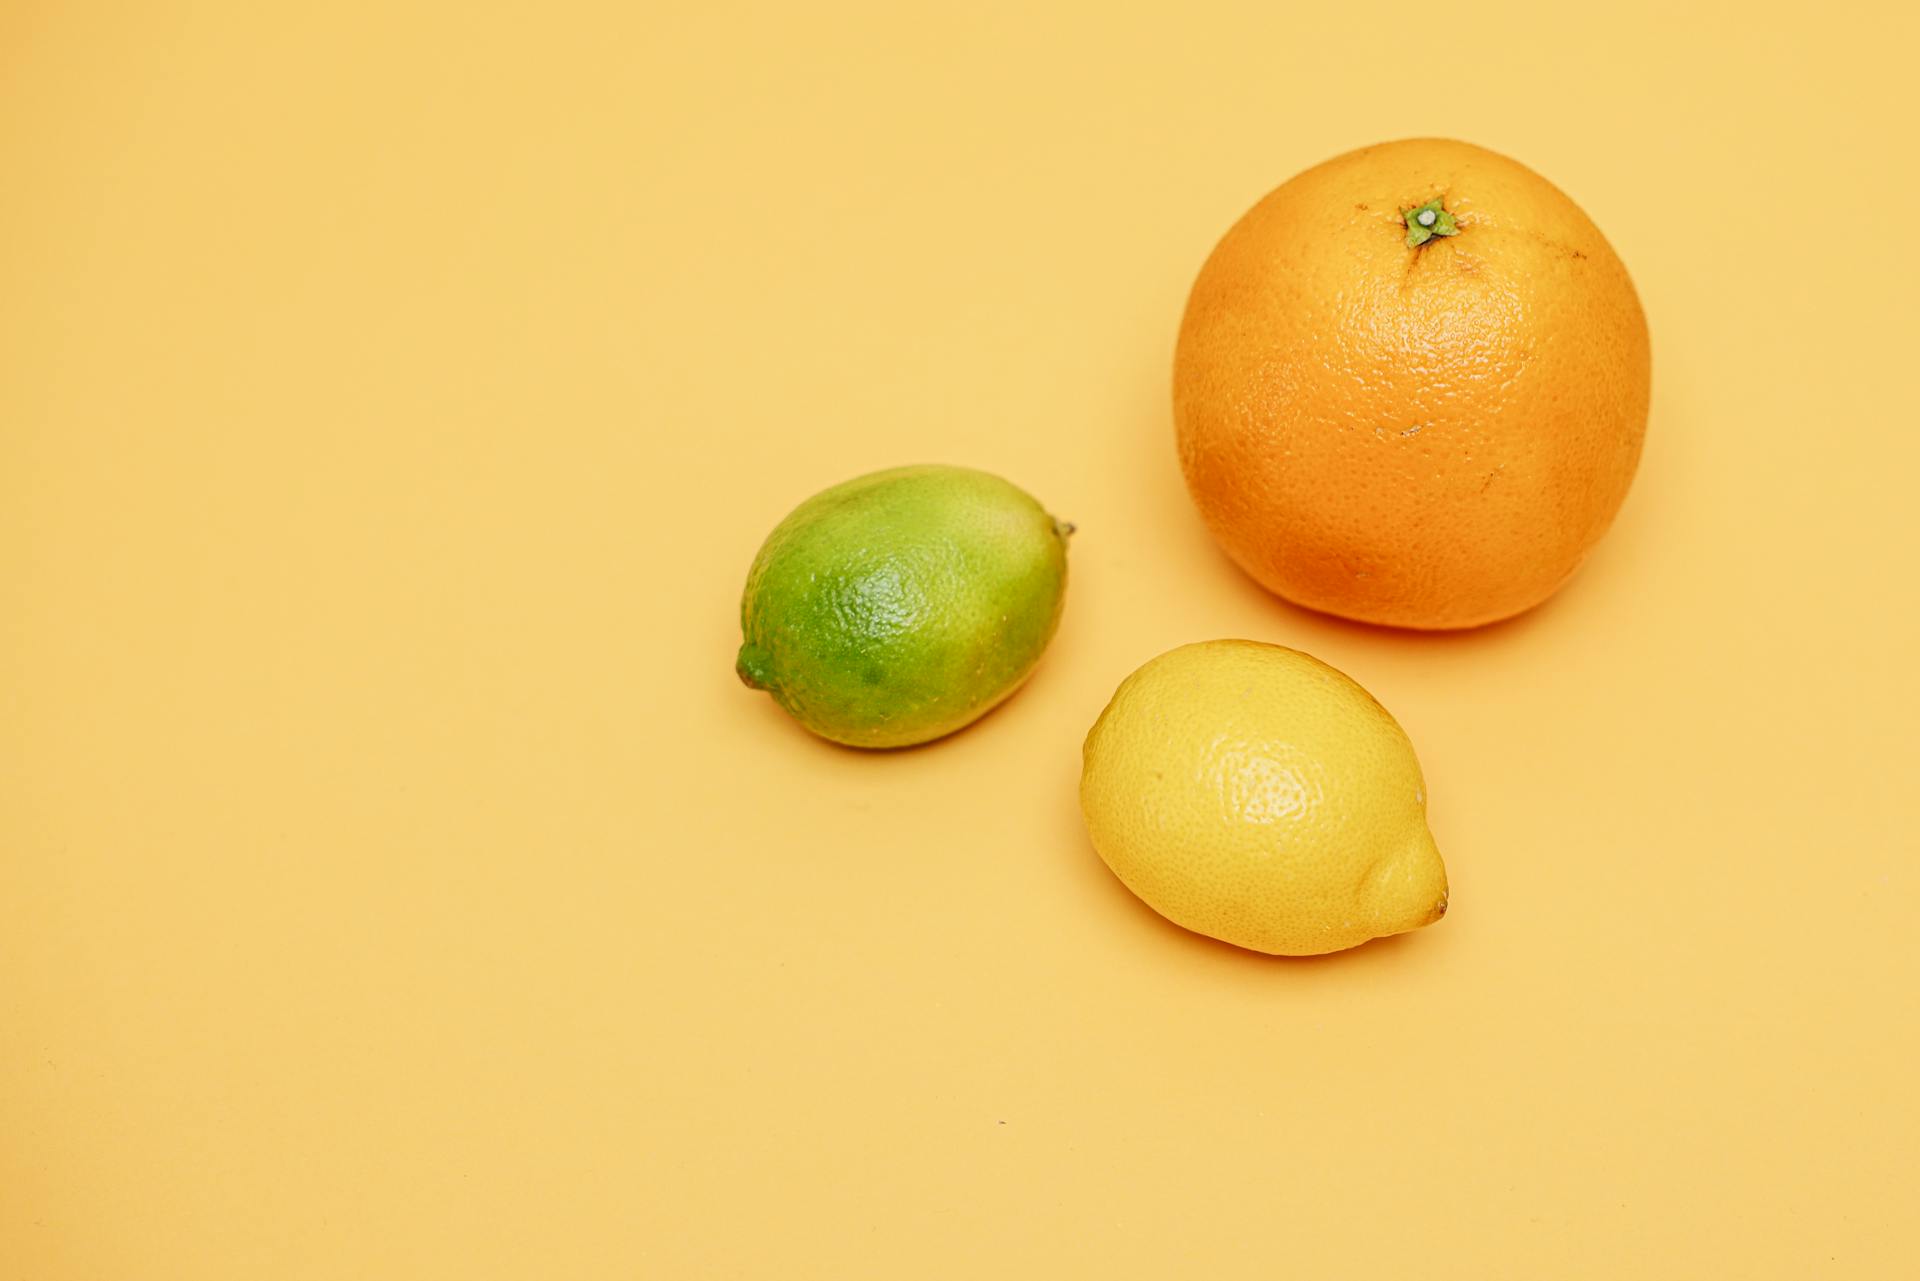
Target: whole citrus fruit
<point x="902" y="605"/>
<point x="1252" y="793"/>
<point x="1411" y="387"/>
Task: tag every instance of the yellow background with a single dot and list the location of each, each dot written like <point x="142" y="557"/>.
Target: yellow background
<point x="395" y="881"/>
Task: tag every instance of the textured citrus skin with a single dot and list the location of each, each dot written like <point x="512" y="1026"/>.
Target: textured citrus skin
<point x="902" y="605"/>
<point x="1254" y="794"/>
<point x="1427" y="437"/>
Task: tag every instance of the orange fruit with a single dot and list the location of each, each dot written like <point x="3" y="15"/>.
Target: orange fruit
<point x="1411" y="387"/>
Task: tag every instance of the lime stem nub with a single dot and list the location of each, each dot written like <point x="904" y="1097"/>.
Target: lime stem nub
<point x="753" y="666"/>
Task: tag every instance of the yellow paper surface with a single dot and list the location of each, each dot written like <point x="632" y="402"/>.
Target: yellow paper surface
<point x="395" y="882"/>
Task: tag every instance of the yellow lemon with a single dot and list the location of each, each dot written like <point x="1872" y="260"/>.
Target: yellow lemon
<point x="1252" y="793"/>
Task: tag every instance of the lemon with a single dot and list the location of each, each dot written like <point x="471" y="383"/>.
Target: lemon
<point x="904" y="604"/>
<point x="1254" y="794"/>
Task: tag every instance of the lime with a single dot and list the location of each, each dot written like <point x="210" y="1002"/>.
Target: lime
<point x="903" y="605"/>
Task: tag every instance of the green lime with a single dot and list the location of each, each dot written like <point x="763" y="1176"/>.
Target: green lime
<point x="903" y="605"/>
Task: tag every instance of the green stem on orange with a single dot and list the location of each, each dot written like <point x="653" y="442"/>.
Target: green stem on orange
<point x="1427" y="221"/>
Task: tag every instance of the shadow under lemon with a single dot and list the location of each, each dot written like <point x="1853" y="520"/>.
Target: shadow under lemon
<point x="1128" y="912"/>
